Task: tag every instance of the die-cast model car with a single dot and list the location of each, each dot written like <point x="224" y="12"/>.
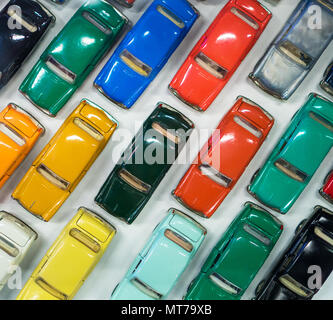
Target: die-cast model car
<point x="65" y="160"/>
<point x="219" y="52"/>
<point x="155" y="271"/>
<point x="327" y="190"/>
<point x="71" y="258"/>
<point x="145" y="50"/>
<point x="139" y="171"/>
<point x="296" y="157"/>
<point x="72" y="55"/>
<point x="223" y="159"/>
<point x="327" y="82"/>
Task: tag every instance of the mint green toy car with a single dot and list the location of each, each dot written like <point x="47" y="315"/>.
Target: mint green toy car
<point x="296" y="157"/>
<point x="237" y="257"/>
<point x="72" y="55"/>
<point x="157" y="268"/>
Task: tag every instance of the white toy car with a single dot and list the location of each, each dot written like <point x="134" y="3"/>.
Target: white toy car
<point x="16" y="238"/>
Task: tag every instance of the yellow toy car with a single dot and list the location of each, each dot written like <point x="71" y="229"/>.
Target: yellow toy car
<point x="71" y="258"/>
<point x="65" y="160"/>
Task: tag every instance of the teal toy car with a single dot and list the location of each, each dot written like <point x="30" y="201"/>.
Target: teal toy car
<point x="296" y="157"/>
<point x="237" y="257"/>
<point x="157" y="268"/>
<point x="72" y="55"/>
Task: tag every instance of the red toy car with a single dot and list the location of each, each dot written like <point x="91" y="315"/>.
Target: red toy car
<point x="327" y="190"/>
<point x="223" y="159"/>
<point x="219" y="52"/>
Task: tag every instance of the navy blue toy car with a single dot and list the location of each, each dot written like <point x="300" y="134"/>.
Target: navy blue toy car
<point x="327" y="82"/>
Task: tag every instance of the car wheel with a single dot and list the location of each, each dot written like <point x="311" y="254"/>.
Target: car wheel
<point x="300" y="226"/>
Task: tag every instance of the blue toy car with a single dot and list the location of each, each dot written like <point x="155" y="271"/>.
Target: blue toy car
<point x="296" y="49"/>
<point x="327" y="82"/>
<point x="164" y="258"/>
<point x="145" y="50"/>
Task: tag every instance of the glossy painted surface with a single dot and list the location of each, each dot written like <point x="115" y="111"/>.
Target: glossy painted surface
<point x="300" y="148"/>
<point x="238" y="256"/>
<point x="278" y="72"/>
<point x="327" y="190"/>
<point x="69" y="261"/>
<point x="308" y="248"/>
<point x="67" y="158"/>
<point x="19" y="237"/>
<point x="228" y="152"/>
<point x="117" y="196"/>
<point x="49" y="90"/>
<point x="227" y="42"/>
<point x="17" y="43"/>
<point x="19" y="132"/>
<point x="152" y="41"/>
<point x="152" y="268"/>
<point x="327" y="82"/>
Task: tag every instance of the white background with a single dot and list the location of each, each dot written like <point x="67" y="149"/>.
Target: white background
<point x="130" y="239"/>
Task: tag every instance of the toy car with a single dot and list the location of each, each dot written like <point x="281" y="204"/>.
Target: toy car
<point x="145" y="50"/>
<point x="237" y="257"/>
<point x="219" y="52"/>
<point x="222" y="160"/>
<point x="169" y="251"/>
<point x="16" y="238"/>
<point x="327" y="82"/>
<point x="71" y="258"/>
<point x="65" y="160"/>
<point x="327" y="190"/>
<point x="137" y="175"/>
<point x="310" y="251"/>
<point x="126" y="3"/>
<point x="17" y="43"/>
<point x="296" y="157"/>
<point x="295" y="50"/>
<point x="19" y="132"/>
<point x="65" y="64"/>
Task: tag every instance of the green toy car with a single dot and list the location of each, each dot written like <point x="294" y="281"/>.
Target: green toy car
<point x="296" y="157"/>
<point x="72" y="55"/>
<point x="237" y="257"/>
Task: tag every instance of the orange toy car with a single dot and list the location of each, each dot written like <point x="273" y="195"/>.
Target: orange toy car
<point x="224" y="158"/>
<point x="19" y="132"/>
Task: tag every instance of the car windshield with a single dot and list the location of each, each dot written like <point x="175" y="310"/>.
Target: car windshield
<point x="85" y="240"/>
<point x="210" y="66"/>
<point x="257" y="234"/>
<point x="21" y="20"/>
<point x="88" y="129"/>
<point x="179" y="240"/>
<point x="50" y="289"/>
<point x="224" y="284"/>
<point x="52" y="177"/>
<point x="245" y="17"/>
<point x="325" y="123"/>
<point x="60" y="70"/>
<point x="93" y="20"/>
<point x="135" y="64"/>
<point x="133" y="181"/>
<point x="295" y="54"/>
<point x="248" y="126"/>
<point x="290" y="170"/>
<point x="143" y="287"/>
<point x="295" y="286"/>
<point x="319" y="232"/>
<point x="171" y="16"/>
<point x="215" y="175"/>
<point x="8" y="247"/>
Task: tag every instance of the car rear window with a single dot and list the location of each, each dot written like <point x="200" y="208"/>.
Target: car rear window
<point x="210" y="66"/>
<point x="165" y="132"/>
<point x="179" y="240"/>
<point x="86" y="127"/>
<point x="257" y="234"/>
<point x="96" y="22"/>
<point x="295" y="54"/>
<point x="12" y="134"/>
<point x="8" y="247"/>
<point x="85" y="240"/>
<point x="325" y="123"/>
<point x="295" y="286"/>
<point x="20" y="19"/>
<point x="248" y="126"/>
<point x="245" y="17"/>
<point x="171" y="16"/>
